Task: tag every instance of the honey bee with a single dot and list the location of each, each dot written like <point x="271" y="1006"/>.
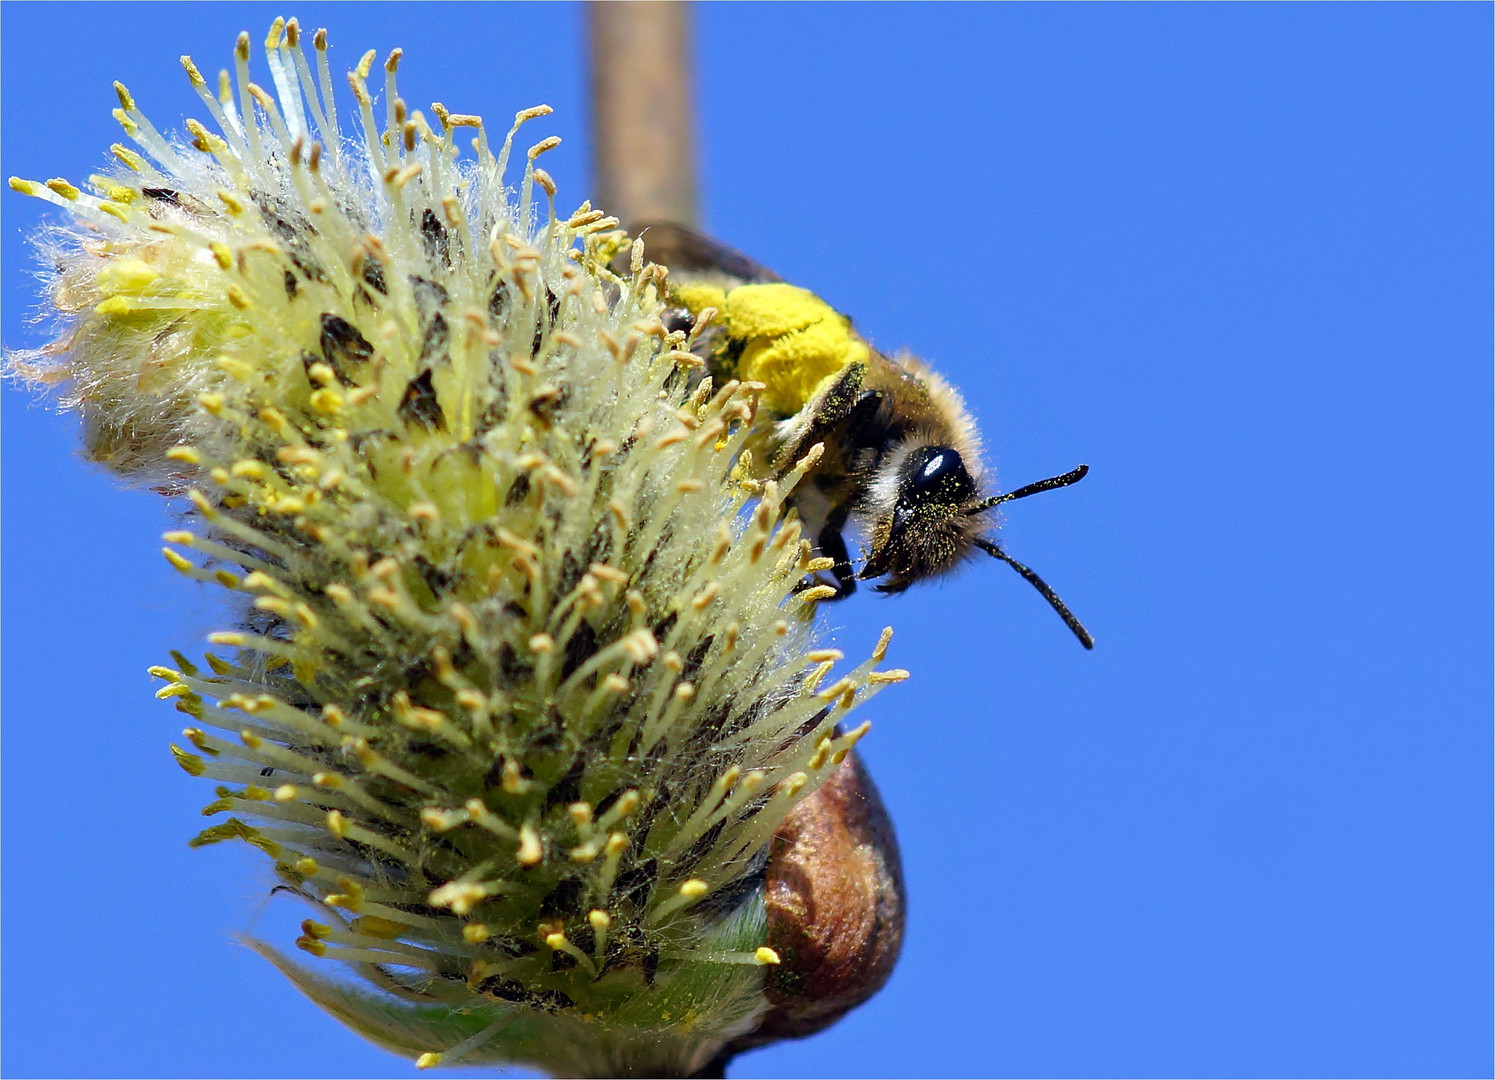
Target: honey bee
<point x="901" y="457"/>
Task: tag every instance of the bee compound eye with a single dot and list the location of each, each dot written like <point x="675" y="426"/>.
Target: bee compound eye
<point x="938" y="472"/>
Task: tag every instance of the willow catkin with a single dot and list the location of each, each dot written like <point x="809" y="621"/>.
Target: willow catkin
<point x="520" y="687"/>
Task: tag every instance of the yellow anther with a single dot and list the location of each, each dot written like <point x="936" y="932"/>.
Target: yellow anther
<point x="205" y="140"/>
<point x="544" y="145"/>
<point x="793" y="783"/>
<point x="127" y="275"/>
<point x="531" y="851"/>
<point x="116" y="305"/>
<point x="311" y="945"/>
<point x="132" y="160"/>
<point x="374" y="926"/>
<point x="822" y="753"/>
<point x="608" y="573"/>
<point x="321" y="373"/>
<point x="765" y="955"/>
<point x="460" y="896"/>
<point x="441" y="820"/>
<point x="326" y="401"/>
<point x="626" y="804"/>
<point x="513" y="781"/>
<point x="274" y="605"/>
<point x="836" y="689"/>
<point x="190" y="763"/>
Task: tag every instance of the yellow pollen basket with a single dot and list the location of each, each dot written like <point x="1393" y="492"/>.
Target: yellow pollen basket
<point x="792" y="340"/>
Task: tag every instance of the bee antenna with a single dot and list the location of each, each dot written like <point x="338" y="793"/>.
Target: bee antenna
<point x="1037" y="582"/>
<point x="1074" y="476"/>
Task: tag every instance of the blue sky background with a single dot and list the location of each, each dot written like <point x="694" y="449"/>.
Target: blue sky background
<point x="1237" y="258"/>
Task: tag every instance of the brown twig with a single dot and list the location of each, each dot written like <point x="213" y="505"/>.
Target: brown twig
<point x="643" y="117"/>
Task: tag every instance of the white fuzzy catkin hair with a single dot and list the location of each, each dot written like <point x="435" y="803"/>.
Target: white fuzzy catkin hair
<point x="522" y="688"/>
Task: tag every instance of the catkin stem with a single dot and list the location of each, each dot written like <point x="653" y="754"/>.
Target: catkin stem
<point x="643" y="115"/>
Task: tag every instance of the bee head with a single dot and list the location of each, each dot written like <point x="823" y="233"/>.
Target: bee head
<point x="929" y="516"/>
<point x="922" y="525"/>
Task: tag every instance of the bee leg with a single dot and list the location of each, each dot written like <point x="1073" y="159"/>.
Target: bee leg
<point x="861" y="423"/>
<point x="833" y="546"/>
<point x="818" y="420"/>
